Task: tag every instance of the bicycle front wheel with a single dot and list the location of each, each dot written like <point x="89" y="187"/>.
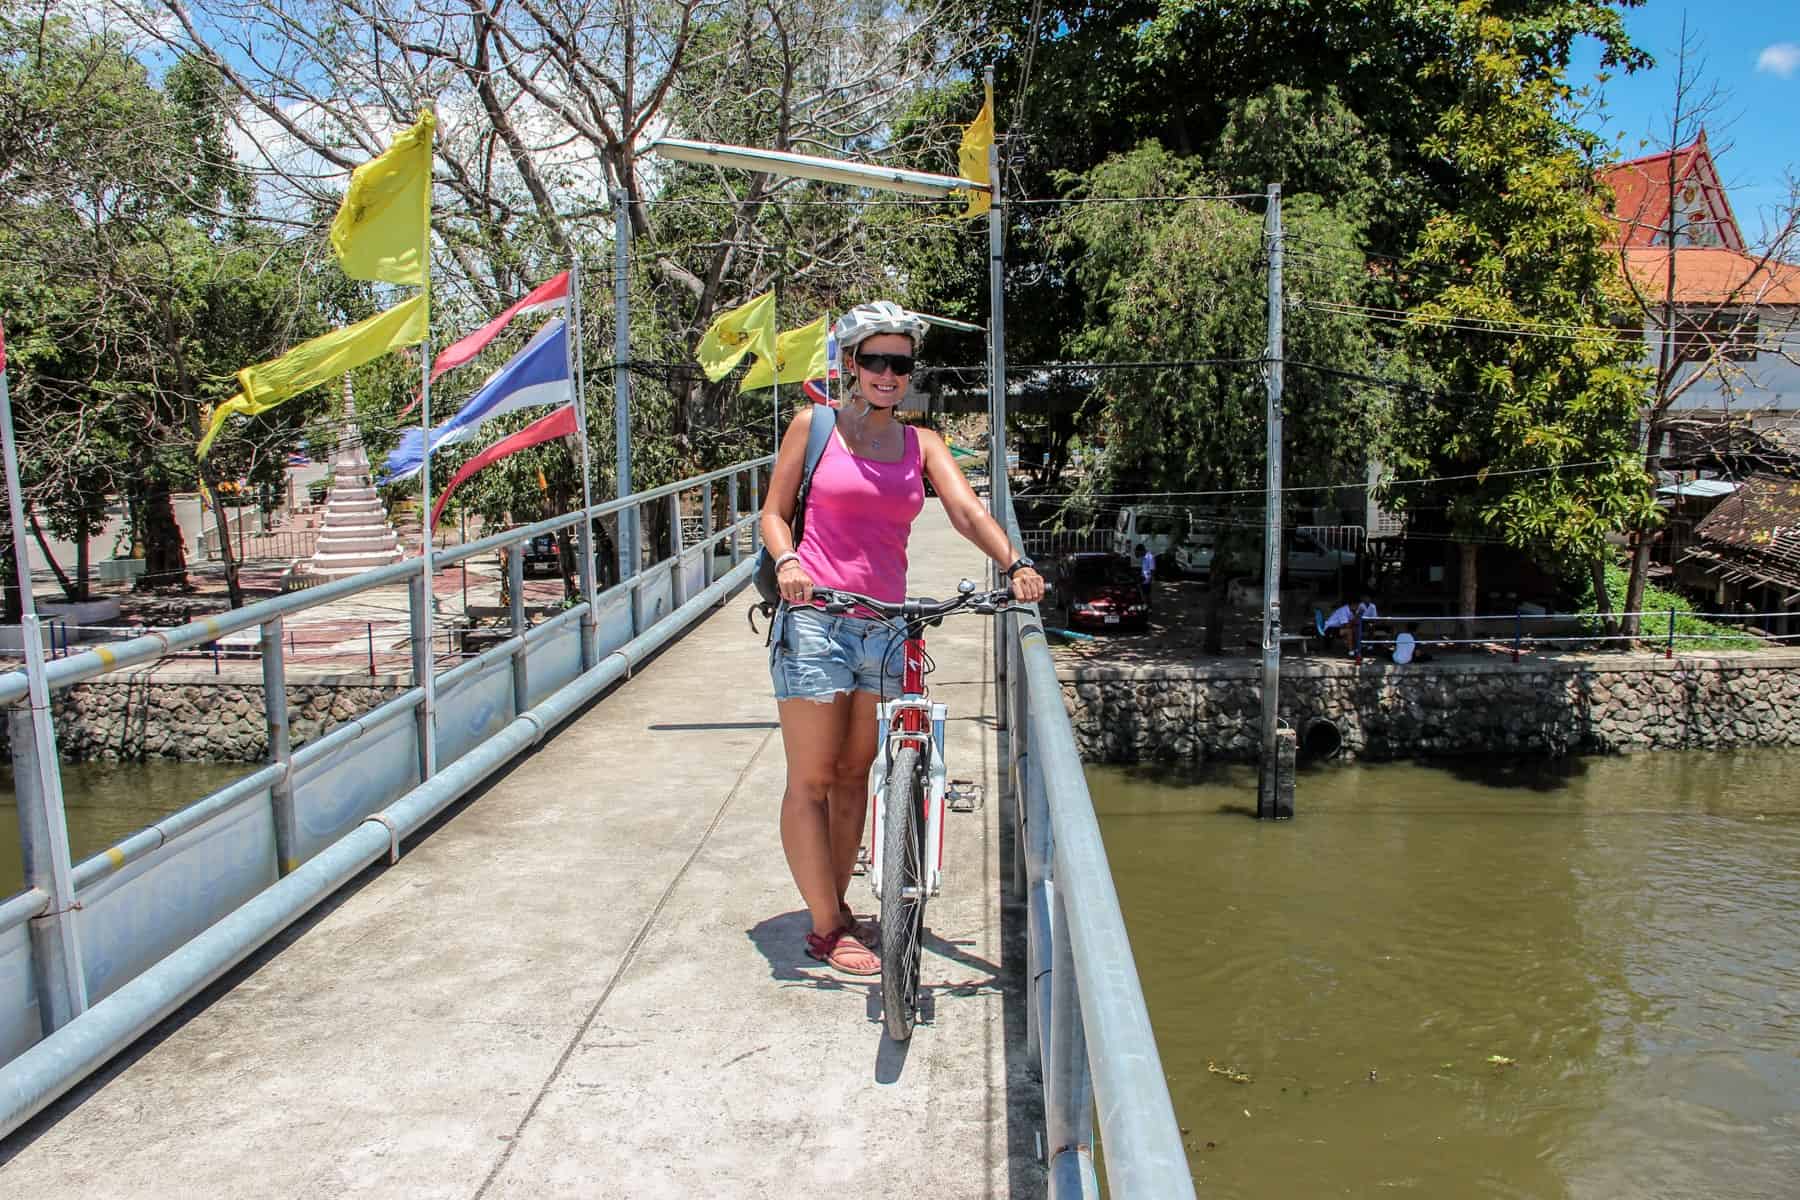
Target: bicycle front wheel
<point x="902" y="892"/>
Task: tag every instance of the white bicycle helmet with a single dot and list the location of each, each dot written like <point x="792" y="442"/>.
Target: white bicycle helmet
<point x="880" y="316"/>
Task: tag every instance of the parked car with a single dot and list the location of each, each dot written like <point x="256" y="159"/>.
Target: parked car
<point x="541" y="555"/>
<point x="1160" y="527"/>
<point x="1100" y="590"/>
<point x="1194" y="555"/>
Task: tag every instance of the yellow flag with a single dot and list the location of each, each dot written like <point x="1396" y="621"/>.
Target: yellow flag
<point x="972" y="158"/>
<point x="748" y="327"/>
<point x="799" y="356"/>
<point x="309" y="364"/>
<point x="383" y="228"/>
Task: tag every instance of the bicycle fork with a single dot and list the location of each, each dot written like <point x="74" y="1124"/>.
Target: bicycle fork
<point x="897" y="723"/>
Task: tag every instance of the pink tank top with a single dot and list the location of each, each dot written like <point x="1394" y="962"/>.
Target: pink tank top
<point x="858" y="516"/>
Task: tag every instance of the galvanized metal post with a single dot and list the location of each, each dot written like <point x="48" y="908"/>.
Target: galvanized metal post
<point x="515" y="576"/>
<point x="1270" y="802"/>
<point x="1069" y="1085"/>
<point x="755" y="506"/>
<point x="422" y="624"/>
<point x="281" y="746"/>
<point x="629" y="558"/>
<point x="731" y="502"/>
<point x="677" y="581"/>
<point x="37" y="778"/>
<point x="424" y="665"/>
<point x="584" y="530"/>
<point x="709" y="551"/>
<point x="998" y="493"/>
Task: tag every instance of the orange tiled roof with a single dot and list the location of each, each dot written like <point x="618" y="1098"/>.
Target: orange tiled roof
<point x="1710" y="275"/>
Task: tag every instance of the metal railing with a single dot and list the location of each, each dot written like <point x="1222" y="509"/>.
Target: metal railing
<point x="1045" y="544"/>
<point x="1087" y="1025"/>
<point x="250" y="546"/>
<point x="1522" y="633"/>
<point x="93" y="954"/>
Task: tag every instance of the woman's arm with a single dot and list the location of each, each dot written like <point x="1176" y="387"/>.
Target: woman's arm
<point x="969" y="517"/>
<point x="778" y="508"/>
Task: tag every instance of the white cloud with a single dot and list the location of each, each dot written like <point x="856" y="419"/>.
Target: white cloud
<point x="1782" y="58"/>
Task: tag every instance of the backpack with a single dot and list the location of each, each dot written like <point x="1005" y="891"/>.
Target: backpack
<point x="824" y="420"/>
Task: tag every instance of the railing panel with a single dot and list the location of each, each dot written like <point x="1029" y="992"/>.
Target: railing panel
<point x="613" y="619"/>
<point x="474" y="708"/>
<point x="332" y="794"/>
<point x="657" y="592"/>
<point x="693" y="570"/>
<point x="20" y="1025"/>
<point x="553" y="660"/>
<point x="132" y="917"/>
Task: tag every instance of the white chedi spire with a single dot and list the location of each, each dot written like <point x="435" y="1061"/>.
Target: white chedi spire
<point x="355" y="535"/>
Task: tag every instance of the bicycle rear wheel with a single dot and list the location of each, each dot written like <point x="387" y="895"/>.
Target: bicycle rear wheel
<point x="902" y="892"/>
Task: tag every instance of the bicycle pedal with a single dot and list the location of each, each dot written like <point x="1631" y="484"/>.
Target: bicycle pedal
<point x="963" y="795"/>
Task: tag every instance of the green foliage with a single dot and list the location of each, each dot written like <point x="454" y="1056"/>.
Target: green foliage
<point x="132" y="284"/>
<point x="1525" y="384"/>
<point x="1691" y="632"/>
<point x="1187" y="282"/>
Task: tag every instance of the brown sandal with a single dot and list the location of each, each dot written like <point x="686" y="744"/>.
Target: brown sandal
<point x="839" y="949"/>
<point x="863" y="931"/>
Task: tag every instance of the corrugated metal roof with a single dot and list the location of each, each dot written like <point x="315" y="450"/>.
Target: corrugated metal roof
<point x="1699" y="487"/>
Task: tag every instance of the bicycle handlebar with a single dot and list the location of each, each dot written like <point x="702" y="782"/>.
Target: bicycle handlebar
<point x="915" y="608"/>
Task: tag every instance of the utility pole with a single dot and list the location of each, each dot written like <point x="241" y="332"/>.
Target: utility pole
<point x="629" y="558"/>
<point x="1275" y="779"/>
<point x="999" y="491"/>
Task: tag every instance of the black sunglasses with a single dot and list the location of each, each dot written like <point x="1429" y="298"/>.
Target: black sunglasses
<point x="877" y="363"/>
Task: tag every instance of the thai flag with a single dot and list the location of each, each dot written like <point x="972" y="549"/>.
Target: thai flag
<point x="552" y="293"/>
<point x="537" y="375"/>
<point x="819" y="390"/>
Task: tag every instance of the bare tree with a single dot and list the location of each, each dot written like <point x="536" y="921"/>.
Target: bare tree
<point x="546" y="111"/>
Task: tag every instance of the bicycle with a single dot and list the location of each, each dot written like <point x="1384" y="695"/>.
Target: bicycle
<point x="906" y="792"/>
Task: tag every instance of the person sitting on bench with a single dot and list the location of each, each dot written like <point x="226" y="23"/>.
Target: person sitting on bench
<point x="1350" y="618"/>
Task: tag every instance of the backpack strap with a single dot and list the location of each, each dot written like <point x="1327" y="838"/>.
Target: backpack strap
<point x="824" y="420"/>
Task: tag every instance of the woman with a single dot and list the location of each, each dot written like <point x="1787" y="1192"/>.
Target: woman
<point x="830" y="672"/>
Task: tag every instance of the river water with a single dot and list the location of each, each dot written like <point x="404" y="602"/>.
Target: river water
<point x="108" y="801"/>
<point x="1577" y="979"/>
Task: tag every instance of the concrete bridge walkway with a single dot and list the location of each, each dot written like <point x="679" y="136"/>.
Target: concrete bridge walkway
<point x="588" y="980"/>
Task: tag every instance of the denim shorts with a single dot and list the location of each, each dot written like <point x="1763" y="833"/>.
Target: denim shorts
<point x="813" y="655"/>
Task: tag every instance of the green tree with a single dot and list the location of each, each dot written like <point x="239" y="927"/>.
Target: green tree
<point x="1186" y="284"/>
<point x="1523" y="428"/>
<point x="126" y="265"/>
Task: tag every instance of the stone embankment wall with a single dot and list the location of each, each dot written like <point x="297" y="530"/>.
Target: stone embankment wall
<point x="1539" y="706"/>
<point x="196" y="720"/>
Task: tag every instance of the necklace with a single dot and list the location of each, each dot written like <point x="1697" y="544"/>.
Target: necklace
<point x="870" y="443"/>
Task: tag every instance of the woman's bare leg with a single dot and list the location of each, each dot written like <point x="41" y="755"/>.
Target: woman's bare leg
<point x="850" y="789"/>
<point x="812" y="734"/>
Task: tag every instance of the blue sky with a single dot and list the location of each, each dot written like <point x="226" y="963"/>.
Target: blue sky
<point x="1751" y="50"/>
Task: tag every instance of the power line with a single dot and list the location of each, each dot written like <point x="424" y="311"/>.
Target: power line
<point x="1361" y="485"/>
<point x="1075" y="200"/>
<point x="1461" y="324"/>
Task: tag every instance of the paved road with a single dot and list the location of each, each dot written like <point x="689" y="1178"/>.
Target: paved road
<point x="589" y="981"/>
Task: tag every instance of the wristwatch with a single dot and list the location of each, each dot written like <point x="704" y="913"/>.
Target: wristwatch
<point x="1018" y="564"/>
